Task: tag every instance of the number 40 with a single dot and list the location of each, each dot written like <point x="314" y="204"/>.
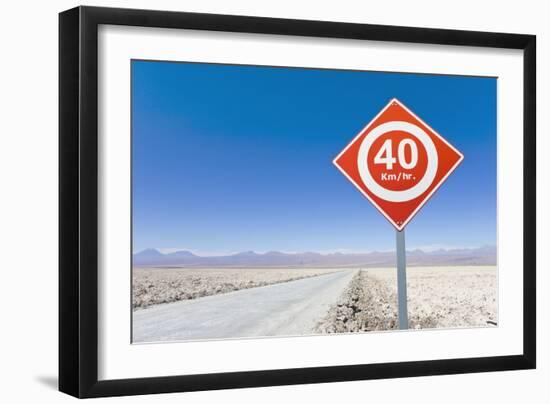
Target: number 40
<point x="385" y="154"/>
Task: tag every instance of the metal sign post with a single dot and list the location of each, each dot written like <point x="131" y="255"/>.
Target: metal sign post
<point x="401" y="280"/>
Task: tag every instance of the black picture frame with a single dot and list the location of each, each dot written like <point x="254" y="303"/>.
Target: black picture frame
<point x="78" y="201"/>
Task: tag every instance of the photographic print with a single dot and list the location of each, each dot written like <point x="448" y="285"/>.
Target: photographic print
<point x="287" y="201"/>
<point x="360" y="197"/>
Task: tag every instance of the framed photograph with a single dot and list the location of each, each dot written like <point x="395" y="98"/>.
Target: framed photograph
<point x="250" y="201"/>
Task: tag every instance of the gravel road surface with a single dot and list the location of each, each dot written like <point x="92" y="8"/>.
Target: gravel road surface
<point x="290" y="308"/>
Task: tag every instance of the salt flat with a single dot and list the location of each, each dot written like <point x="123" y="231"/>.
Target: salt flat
<point x="153" y="286"/>
<point x="438" y="297"/>
<point x="453" y="296"/>
<point x="309" y="301"/>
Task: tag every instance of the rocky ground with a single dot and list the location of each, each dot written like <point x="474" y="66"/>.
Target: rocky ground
<point x="437" y="297"/>
<point x="164" y="285"/>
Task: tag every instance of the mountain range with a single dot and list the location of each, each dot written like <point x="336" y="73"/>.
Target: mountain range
<point x="464" y="256"/>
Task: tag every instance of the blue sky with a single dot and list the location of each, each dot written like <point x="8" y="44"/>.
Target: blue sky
<point x="231" y="158"/>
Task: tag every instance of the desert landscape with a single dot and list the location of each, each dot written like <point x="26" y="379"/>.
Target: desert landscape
<point x="153" y="286"/>
<point x="191" y="303"/>
<point x="438" y="297"/>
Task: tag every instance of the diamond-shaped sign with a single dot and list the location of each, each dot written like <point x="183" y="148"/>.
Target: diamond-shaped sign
<point x="397" y="161"/>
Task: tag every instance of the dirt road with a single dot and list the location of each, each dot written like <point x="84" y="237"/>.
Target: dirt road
<point x="290" y="308"/>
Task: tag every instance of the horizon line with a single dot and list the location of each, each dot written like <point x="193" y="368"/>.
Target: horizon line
<point x="425" y="249"/>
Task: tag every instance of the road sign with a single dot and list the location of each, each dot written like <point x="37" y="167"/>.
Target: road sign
<point x="397" y="161"/>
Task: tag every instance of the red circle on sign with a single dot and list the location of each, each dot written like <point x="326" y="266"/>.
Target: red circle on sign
<point x="397" y="160"/>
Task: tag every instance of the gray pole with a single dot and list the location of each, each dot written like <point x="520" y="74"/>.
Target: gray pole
<point x="401" y="280"/>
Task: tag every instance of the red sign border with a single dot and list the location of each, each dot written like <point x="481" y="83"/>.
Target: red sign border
<point x="436" y="187"/>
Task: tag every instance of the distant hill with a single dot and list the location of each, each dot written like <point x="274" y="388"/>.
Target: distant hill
<point x="466" y="256"/>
